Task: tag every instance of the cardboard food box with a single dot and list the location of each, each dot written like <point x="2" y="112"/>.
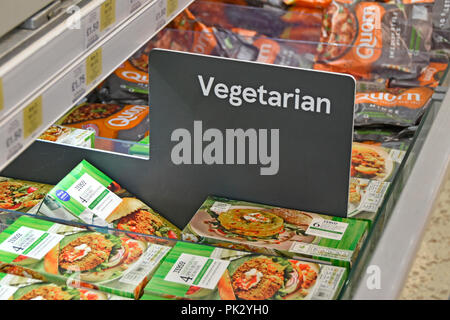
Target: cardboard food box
<point x="114" y="121"/>
<point x="365" y="198"/>
<point x="13" y="287"/>
<point x="112" y="263"/>
<point x="21" y="196"/>
<point x="197" y="272"/>
<point x="373" y="169"/>
<point x="70" y="136"/>
<point x="87" y="195"/>
<point x="274" y="230"/>
<point x="375" y="162"/>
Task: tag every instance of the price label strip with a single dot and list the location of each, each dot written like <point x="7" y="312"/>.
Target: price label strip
<point x="1" y="94"/>
<point x="91" y="25"/>
<point x="12" y="138"/>
<point x="32" y="117"/>
<point x="107" y="14"/>
<point x="93" y="66"/>
<point x="172" y="5"/>
<point x="78" y="83"/>
<point x="134" y="5"/>
<point x="160" y="15"/>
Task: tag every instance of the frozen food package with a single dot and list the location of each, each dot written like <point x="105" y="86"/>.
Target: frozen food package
<point x="274" y="230"/>
<point x="198" y="272"/>
<point x="21" y="196"/>
<point x="89" y="196"/>
<point x="402" y="107"/>
<point x="366" y="39"/>
<point x="441" y="26"/>
<point x="192" y="35"/>
<point x="304" y="16"/>
<point x="374" y="162"/>
<point x="321" y="4"/>
<point x="431" y="76"/>
<point x="365" y="198"/>
<point x="264" y="21"/>
<point x="114" y="121"/>
<point x="62" y="254"/>
<point x="128" y="84"/>
<point x="258" y="48"/>
<point x="385" y="136"/>
<point x="70" y="136"/>
<point x="13" y="287"/>
<point x="299" y="23"/>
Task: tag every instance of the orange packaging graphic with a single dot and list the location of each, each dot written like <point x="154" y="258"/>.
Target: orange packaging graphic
<point x="124" y="122"/>
<point x="413" y="98"/>
<point x="129" y="73"/>
<point x="402" y="108"/>
<point x="371" y="38"/>
<point x="200" y="35"/>
<point x="245" y="45"/>
<point x="303" y="16"/>
<point x="432" y="74"/>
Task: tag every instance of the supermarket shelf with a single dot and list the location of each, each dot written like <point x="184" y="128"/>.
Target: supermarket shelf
<point x="396" y="249"/>
<point x="43" y="78"/>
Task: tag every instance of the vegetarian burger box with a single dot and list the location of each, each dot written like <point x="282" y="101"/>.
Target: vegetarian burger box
<point x="273" y="230"/>
<point x="87" y="195"/>
<point x="62" y="254"/>
<point x="71" y="136"/>
<point x="13" y="287"/>
<point x="21" y="196"/>
<point x="192" y="271"/>
<point x="373" y="168"/>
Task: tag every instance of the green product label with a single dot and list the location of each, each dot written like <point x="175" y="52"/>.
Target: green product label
<point x="86" y="187"/>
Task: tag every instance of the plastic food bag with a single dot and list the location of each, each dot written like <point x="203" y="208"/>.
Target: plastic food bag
<point x="371" y="38"/>
<point x="402" y="108"/>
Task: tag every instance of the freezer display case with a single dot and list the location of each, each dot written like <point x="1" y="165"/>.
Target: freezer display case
<point x="400" y="153"/>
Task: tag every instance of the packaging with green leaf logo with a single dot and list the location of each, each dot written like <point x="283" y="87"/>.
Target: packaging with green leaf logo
<point x="112" y="263"/>
<point x="13" y="287"/>
<point x="89" y="196"/>
<point x="199" y="272"/>
<point x="267" y="229"/>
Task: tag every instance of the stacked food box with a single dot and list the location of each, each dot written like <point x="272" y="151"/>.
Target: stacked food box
<point x="90" y="237"/>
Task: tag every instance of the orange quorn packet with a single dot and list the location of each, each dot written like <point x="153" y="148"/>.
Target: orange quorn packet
<point x="401" y="107"/>
<point x="372" y="38"/>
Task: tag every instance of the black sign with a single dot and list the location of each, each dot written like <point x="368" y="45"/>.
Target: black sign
<point x="250" y="131"/>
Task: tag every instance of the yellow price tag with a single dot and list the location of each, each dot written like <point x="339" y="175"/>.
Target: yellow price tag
<point x="1" y="94"/>
<point x="172" y="5"/>
<point x="93" y="66"/>
<point x="107" y="14"/>
<point x="32" y="117"/>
